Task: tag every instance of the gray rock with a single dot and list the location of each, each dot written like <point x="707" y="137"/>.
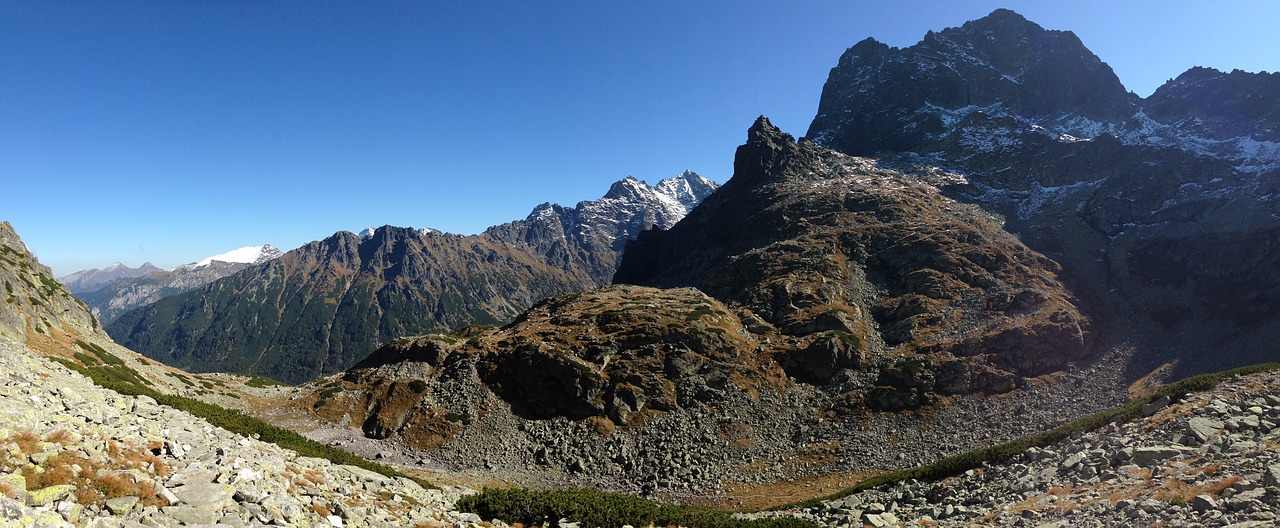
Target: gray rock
<point x="190" y="515"/>
<point x="1203" y="429"/>
<point x="121" y="505"/>
<point x="207" y="496"/>
<point x="1145" y="456"/>
<point x="1203" y="503"/>
<point x="1155" y="406"/>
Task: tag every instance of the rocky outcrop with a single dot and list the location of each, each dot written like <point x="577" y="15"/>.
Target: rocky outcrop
<point x="37" y="308"/>
<point x="810" y="288"/>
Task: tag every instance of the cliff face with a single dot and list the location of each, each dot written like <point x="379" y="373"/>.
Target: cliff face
<point x="37" y="307"/>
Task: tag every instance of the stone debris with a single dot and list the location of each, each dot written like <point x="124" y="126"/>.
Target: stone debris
<point x="74" y="454"/>
<point x="1210" y="460"/>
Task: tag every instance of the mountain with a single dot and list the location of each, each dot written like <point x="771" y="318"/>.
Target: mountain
<point x="94" y="279"/>
<point x="1162" y="211"/>
<point x="123" y="295"/>
<point x="322" y="307"/>
<point x="827" y="248"/>
<point x="37" y="309"/>
<point x="594" y="233"/>
<point x="245" y="255"/>
<point x="809" y="292"/>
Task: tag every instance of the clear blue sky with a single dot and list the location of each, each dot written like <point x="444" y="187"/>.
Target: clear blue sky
<point x="169" y="131"/>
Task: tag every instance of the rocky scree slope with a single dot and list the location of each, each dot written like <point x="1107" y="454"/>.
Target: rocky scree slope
<point x="322" y="307"/>
<point x="94" y="279"/>
<point x="1163" y="212"/>
<point x="75" y="454"/>
<point x="1209" y="460"/>
<point x="709" y="391"/>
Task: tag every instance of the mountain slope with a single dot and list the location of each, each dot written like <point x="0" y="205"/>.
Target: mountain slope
<point x="94" y="279"/>
<point x="37" y="308"/>
<point x="1163" y="211"/>
<point x="322" y="307"/>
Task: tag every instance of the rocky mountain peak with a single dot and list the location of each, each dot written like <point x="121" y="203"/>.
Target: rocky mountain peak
<point x="880" y="98"/>
<point x="1221" y="105"/>
<point x="628" y="188"/>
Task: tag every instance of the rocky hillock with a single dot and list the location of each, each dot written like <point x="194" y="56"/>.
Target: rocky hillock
<point x="1162" y="212"/>
<point x="322" y="307"/>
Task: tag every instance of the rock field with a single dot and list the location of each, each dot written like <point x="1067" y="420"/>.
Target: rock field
<point x="1210" y="460"/>
<point x="74" y="454"/>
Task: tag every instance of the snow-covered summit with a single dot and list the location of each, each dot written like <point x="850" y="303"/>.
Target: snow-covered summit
<point x="366" y="233"/>
<point x="246" y="255"/>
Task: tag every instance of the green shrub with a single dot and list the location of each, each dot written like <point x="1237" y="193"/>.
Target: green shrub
<point x="418" y="386"/>
<point x="595" y="508"/>
<point x="260" y="382"/>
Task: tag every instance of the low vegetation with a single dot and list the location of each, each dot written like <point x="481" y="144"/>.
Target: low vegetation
<point x="598" y="508"/>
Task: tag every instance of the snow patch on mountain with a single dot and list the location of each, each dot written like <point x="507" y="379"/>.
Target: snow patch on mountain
<point x="245" y="255"/>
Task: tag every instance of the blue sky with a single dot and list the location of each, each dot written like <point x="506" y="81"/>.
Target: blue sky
<point x="169" y="131"/>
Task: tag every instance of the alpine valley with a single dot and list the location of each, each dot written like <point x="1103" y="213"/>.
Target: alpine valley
<point x="964" y="297"/>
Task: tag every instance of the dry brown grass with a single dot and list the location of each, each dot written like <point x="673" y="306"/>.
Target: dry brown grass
<point x="61" y="437"/>
<point x="321" y="510"/>
<point x="133" y="456"/>
<point x="7" y="490"/>
<point x="1149" y="383"/>
<point x="602" y="426"/>
<point x="96" y="482"/>
<point x="27" y="441"/>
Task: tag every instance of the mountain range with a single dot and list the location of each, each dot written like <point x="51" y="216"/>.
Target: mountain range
<point x="94" y="279"/>
<point x="120" y="295"/>
<point x="986" y="212"/>
<point x="326" y="305"/>
<point x="981" y="237"/>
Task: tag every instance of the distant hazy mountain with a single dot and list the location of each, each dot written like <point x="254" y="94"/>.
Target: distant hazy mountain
<point x="95" y="279"/>
<point x="322" y="307"/>
<point x="123" y="295"/>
